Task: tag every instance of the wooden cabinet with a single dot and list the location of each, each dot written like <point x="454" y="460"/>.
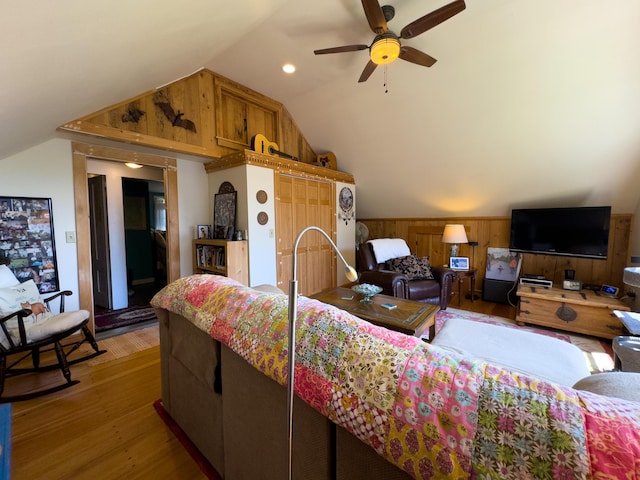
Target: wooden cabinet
<point x="241" y="114"/>
<point x="301" y="202"/>
<point x="221" y="257"/>
<point x="585" y="311"/>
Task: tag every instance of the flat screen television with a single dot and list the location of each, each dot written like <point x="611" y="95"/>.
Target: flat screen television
<point x="572" y="232"/>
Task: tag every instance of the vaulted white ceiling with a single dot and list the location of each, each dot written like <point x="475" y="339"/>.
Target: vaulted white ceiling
<point x="531" y="102"/>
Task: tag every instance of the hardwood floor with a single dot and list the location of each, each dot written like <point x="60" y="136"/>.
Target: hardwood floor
<point x="103" y="428"/>
<point x="106" y="427"/>
<point x="479" y="306"/>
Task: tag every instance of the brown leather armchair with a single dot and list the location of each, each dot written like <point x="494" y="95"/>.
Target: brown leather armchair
<point x="437" y="291"/>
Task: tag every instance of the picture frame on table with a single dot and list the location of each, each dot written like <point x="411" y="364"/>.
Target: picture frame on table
<point x="459" y="263"/>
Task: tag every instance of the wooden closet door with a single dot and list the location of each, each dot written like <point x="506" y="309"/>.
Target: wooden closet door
<point x="300" y="203"/>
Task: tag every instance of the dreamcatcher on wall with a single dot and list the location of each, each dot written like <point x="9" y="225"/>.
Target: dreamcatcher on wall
<point x="27" y="240"/>
<point x="345" y="202"/>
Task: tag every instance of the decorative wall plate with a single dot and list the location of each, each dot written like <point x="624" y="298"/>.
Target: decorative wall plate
<point x="263" y="218"/>
<point x="261" y="196"/>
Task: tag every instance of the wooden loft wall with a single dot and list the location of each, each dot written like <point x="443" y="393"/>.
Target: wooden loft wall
<point x="424" y="237"/>
<point x="224" y="114"/>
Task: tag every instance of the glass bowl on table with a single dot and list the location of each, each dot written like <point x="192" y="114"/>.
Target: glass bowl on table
<point x="367" y="291"/>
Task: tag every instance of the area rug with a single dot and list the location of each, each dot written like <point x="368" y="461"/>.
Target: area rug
<point x="598" y="353"/>
<point x="124" y="317"/>
<point x="122" y="345"/>
<point x="205" y="467"/>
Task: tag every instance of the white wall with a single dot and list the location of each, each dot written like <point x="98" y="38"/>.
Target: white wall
<point x="345" y="232"/>
<point x="45" y="170"/>
<point x="262" y="241"/>
<point x="247" y="181"/>
<point x="193" y="208"/>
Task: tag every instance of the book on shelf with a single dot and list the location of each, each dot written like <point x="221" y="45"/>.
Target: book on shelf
<point x="210" y="256"/>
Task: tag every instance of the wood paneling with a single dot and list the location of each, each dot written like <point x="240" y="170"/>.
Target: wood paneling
<point x="226" y="115"/>
<point x="424" y="238"/>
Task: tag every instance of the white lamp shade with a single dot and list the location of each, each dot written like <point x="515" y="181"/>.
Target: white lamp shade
<point x="454" y="233"/>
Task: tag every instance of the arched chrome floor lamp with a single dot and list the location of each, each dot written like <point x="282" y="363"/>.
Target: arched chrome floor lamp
<point x="352" y="276"/>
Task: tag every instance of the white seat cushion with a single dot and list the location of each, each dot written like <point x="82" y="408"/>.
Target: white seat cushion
<point x="520" y="351"/>
<point x="56" y="324"/>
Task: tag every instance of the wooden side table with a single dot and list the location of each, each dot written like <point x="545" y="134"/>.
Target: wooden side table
<point x="460" y="277"/>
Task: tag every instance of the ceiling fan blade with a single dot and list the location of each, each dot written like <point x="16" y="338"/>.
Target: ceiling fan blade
<point x="346" y="48"/>
<point x="412" y="55"/>
<point x="432" y="19"/>
<point x="375" y="17"/>
<point x="368" y="70"/>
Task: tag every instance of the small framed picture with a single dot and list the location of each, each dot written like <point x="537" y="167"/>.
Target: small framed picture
<point x="203" y="231"/>
<point x="459" y="263"/>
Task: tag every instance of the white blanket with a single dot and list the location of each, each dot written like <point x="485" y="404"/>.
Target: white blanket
<point x="540" y="356"/>
<point x="387" y="248"/>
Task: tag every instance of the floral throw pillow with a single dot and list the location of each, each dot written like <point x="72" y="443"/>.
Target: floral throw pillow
<point x="415" y="268"/>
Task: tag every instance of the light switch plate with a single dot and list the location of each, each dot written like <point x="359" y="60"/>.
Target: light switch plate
<point x="70" y="237"/>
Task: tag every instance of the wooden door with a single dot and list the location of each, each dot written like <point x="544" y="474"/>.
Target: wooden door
<point x="100" y="251"/>
<point x="233" y="111"/>
<point x="300" y="203"/>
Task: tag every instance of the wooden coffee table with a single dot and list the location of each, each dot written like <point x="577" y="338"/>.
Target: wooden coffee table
<point x="410" y="317"/>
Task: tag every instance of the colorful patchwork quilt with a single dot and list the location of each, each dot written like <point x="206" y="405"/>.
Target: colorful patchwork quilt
<point x="432" y="413"/>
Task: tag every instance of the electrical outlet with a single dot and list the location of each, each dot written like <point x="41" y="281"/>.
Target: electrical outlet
<point x="70" y="236"/>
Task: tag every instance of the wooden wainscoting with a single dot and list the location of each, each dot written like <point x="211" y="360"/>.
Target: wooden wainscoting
<point x="424" y="237"/>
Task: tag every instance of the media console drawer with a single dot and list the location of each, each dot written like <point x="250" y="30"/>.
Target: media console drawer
<point x="581" y="312"/>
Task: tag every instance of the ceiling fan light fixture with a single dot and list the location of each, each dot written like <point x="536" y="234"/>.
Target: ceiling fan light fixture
<point x="385" y="50"/>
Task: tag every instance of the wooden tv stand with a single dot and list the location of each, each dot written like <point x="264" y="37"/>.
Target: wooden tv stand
<point x="583" y="311"/>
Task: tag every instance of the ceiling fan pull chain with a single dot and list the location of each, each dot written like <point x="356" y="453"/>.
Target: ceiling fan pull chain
<point x="386" y="89"/>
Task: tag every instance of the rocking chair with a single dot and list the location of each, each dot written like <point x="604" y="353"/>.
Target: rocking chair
<point x="32" y="330"/>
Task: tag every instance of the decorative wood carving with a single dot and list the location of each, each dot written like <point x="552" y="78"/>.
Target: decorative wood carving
<point x="161" y="101"/>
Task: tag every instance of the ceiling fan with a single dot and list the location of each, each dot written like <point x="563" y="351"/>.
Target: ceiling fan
<point x="386" y="46"/>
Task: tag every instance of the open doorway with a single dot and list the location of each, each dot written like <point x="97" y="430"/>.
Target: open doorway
<point x="128" y="231"/>
<point x="82" y="154"/>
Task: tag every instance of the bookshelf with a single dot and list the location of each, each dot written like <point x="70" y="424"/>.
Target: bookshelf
<point x="221" y="257"/>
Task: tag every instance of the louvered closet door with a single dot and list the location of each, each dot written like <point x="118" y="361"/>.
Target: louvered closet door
<point x="302" y="202"/>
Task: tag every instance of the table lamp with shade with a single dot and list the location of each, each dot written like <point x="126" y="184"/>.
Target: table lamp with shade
<point x="352" y="276"/>
<point x="454" y="234"/>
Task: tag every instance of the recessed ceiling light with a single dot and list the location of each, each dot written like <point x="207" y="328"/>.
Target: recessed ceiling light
<point x="288" y="68"/>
